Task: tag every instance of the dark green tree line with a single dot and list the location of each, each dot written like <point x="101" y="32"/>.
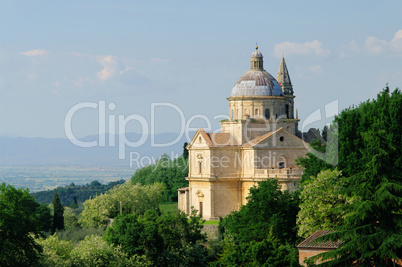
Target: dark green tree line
<point x="171" y="173"/>
<point x="370" y="158"/>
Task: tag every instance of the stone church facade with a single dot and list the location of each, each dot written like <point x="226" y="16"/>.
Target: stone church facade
<point x="260" y="141"/>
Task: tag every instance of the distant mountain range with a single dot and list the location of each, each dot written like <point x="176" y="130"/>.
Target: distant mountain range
<point x="18" y="151"/>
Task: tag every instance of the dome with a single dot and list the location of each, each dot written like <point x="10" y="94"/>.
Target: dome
<point x="257" y="82"/>
<point x="256" y="53"/>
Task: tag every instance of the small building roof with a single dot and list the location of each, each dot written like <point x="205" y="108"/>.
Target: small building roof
<point x="311" y="242"/>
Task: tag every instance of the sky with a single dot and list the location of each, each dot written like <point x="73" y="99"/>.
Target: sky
<point x="88" y="67"/>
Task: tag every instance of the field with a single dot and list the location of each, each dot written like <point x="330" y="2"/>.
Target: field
<point x="39" y="178"/>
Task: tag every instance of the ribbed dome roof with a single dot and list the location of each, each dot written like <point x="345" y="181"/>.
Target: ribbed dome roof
<point x="257" y="82"/>
<point x="256" y="53"/>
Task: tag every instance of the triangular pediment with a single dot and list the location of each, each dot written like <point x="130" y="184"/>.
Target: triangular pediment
<point x="280" y="138"/>
<point x="200" y="140"/>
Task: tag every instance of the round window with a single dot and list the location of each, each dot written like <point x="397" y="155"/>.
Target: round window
<point x="281" y="138"/>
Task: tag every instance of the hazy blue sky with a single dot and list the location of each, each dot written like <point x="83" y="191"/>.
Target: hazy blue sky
<point x="56" y="54"/>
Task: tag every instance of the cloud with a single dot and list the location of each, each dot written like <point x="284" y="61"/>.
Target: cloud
<point x="396" y="43"/>
<point x="109" y="64"/>
<point x="376" y="46"/>
<point x="127" y="68"/>
<point x="35" y="53"/>
<point x="308" y="48"/>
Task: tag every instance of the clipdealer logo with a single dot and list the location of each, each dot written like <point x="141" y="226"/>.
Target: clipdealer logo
<point x="116" y="125"/>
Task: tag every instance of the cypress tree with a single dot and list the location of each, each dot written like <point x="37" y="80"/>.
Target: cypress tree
<point x="185" y="151"/>
<point x="58" y="217"/>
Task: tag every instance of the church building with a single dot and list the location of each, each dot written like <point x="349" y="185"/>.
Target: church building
<point x="260" y="141"/>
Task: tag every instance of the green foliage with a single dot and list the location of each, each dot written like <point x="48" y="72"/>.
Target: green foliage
<point x="259" y="233"/>
<point x="94" y="251"/>
<point x="76" y="235"/>
<point x="311" y="164"/>
<point x="171" y="173"/>
<point x="168" y="239"/>
<point x="134" y="198"/>
<point x="70" y="219"/>
<point x="324" y="133"/>
<point x="71" y="195"/>
<point x="374" y="227"/>
<point x="55" y="252"/>
<point x="44" y="218"/>
<point x="58" y="214"/>
<point x="185" y="151"/>
<point x="20" y="220"/>
<point x="267" y="207"/>
<point x="370" y="158"/>
<point x="321" y="203"/>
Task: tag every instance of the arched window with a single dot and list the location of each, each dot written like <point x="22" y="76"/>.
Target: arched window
<point x="232" y="114"/>
<point x="287" y="111"/>
<point x="267" y="114"/>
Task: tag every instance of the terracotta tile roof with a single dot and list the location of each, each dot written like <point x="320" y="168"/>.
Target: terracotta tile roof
<point x="222" y="139"/>
<point x="260" y="138"/>
<point x="310" y="242"/>
<point x="206" y="137"/>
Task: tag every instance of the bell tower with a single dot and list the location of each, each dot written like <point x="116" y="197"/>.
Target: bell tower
<point x="283" y="79"/>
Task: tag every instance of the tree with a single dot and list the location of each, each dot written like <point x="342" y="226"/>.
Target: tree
<point x="370" y="159"/>
<point x="58" y="217"/>
<point x="267" y="221"/>
<point x="20" y="221"/>
<point x="311" y="164"/>
<point x="55" y="252"/>
<point x="94" y="251"/>
<point x="70" y="219"/>
<point x="185" y="151"/>
<point x="135" y="198"/>
<point x="168" y="239"/>
<point x="321" y="203"/>
<point x="324" y="133"/>
<point x="171" y="173"/>
<point x="74" y="204"/>
<point x="44" y="217"/>
<point x="267" y="207"/>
